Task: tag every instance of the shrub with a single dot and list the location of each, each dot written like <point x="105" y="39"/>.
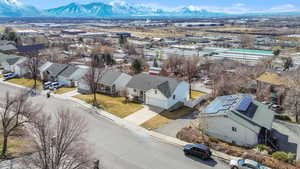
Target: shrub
<point x="262" y="147"/>
<point x="213" y="139"/>
<point x="283" y="156"/>
<point x="283" y="118"/>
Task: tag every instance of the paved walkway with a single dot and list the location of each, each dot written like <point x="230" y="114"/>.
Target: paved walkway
<point x="142" y="115"/>
<point x="71" y="93"/>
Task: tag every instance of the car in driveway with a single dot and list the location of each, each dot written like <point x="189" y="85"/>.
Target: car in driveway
<point x="8" y="76"/>
<point x="55" y="85"/>
<point x="241" y="163"/>
<point x="46" y="85"/>
<point x="197" y="150"/>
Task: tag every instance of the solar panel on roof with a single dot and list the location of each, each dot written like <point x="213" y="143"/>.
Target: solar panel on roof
<point x="244" y="104"/>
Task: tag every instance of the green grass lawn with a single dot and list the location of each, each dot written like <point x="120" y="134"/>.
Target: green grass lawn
<point x="114" y="105"/>
<point x="64" y="90"/>
<point x="25" y="82"/>
<point x="166" y="117"/>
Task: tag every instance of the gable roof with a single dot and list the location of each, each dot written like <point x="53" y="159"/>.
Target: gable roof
<point x="68" y="71"/>
<point x="55" y="69"/>
<point x="146" y="82"/>
<point x="12" y="61"/>
<point x="243" y="110"/>
<point x="109" y="77"/>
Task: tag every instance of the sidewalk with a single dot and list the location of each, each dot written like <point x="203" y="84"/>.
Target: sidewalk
<point x="131" y="126"/>
<point x="141" y="116"/>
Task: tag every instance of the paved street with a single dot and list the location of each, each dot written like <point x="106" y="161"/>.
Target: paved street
<point x="121" y="148"/>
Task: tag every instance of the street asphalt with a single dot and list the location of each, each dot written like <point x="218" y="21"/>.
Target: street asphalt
<point x="121" y="148"/>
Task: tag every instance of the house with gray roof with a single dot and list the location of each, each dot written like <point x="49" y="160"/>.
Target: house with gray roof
<point x="16" y="64"/>
<point x="72" y="75"/>
<point x="157" y="91"/>
<point x="238" y="119"/>
<point x="7" y="46"/>
<point x="52" y="71"/>
<point x="111" y="83"/>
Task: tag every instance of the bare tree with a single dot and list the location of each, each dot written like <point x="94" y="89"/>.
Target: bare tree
<point x="59" y="143"/>
<point x="32" y="63"/>
<point x="174" y="64"/>
<point x="190" y="69"/>
<point x="292" y="99"/>
<point x="92" y="78"/>
<point x="15" y="113"/>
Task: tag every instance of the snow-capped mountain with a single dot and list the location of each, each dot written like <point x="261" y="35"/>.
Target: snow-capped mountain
<point x="121" y="9"/>
<point x="14" y="8"/>
<point x="81" y="10"/>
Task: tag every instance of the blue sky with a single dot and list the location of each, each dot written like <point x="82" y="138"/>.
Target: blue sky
<point x="212" y="5"/>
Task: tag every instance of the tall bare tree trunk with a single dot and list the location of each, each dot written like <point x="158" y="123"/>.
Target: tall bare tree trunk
<point x="4" y="145"/>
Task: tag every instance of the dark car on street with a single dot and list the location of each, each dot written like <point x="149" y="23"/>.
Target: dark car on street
<point x="198" y="150"/>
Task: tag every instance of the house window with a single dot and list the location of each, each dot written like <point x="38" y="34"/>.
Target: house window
<point x="134" y="90"/>
<point x="155" y="91"/>
<point x="174" y="96"/>
<point x="234" y="129"/>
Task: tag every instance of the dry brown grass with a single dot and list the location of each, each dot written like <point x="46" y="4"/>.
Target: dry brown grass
<point x="115" y="105"/>
<point x="166" y="117"/>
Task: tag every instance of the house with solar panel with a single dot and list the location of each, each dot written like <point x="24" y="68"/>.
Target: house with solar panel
<point x="239" y="119"/>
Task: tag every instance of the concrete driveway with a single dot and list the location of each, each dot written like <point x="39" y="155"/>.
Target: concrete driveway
<point x="122" y="148"/>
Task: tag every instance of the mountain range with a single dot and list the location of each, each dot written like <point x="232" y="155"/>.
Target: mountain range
<point x="13" y="8"/>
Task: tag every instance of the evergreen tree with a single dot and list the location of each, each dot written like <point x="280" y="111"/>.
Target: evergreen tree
<point x="137" y="66"/>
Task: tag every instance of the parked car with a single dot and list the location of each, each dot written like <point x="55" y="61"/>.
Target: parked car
<point x="198" y="150"/>
<point x="276" y="108"/>
<point x="8" y="76"/>
<point x="47" y="84"/>
<point x="54" y="86"/>
<point x="269" y="104"/>
<point x="241" y="163"/>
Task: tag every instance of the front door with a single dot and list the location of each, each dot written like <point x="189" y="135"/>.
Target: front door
<point x="142" y="96"/>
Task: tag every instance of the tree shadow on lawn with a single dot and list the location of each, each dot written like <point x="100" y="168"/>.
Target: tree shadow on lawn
<point x="210" y="162"/>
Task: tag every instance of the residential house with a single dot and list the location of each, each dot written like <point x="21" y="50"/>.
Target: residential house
<point x="238" y="119"/>
<point x="72" y="75"/>
<point x="16" y="65"/>
<point x="7" y="46"/>
<point x="271" y="87"/>
<point x="111" y="83"/>
<point x="51" y="71"/>
<point x="157" y="91"/>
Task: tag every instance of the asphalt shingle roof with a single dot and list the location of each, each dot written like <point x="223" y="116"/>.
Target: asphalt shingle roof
<point x="109" y="77"/>
<point x="12" y="61"/>
<point x="55" y="69"/>
<point x="146" y="82"/>
<point x="69" y="71"/>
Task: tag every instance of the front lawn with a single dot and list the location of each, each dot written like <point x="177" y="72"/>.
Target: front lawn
<point x="166" y="117"/>
<point x="25" y="82"/>
<point x="63" y="90"/>
<point x="114" y="105"/>
<point x="197" y="94"/>
<point x="17" y="146"/>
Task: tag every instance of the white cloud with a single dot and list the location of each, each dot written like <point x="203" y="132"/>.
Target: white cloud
<point x="283" y="8"/>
